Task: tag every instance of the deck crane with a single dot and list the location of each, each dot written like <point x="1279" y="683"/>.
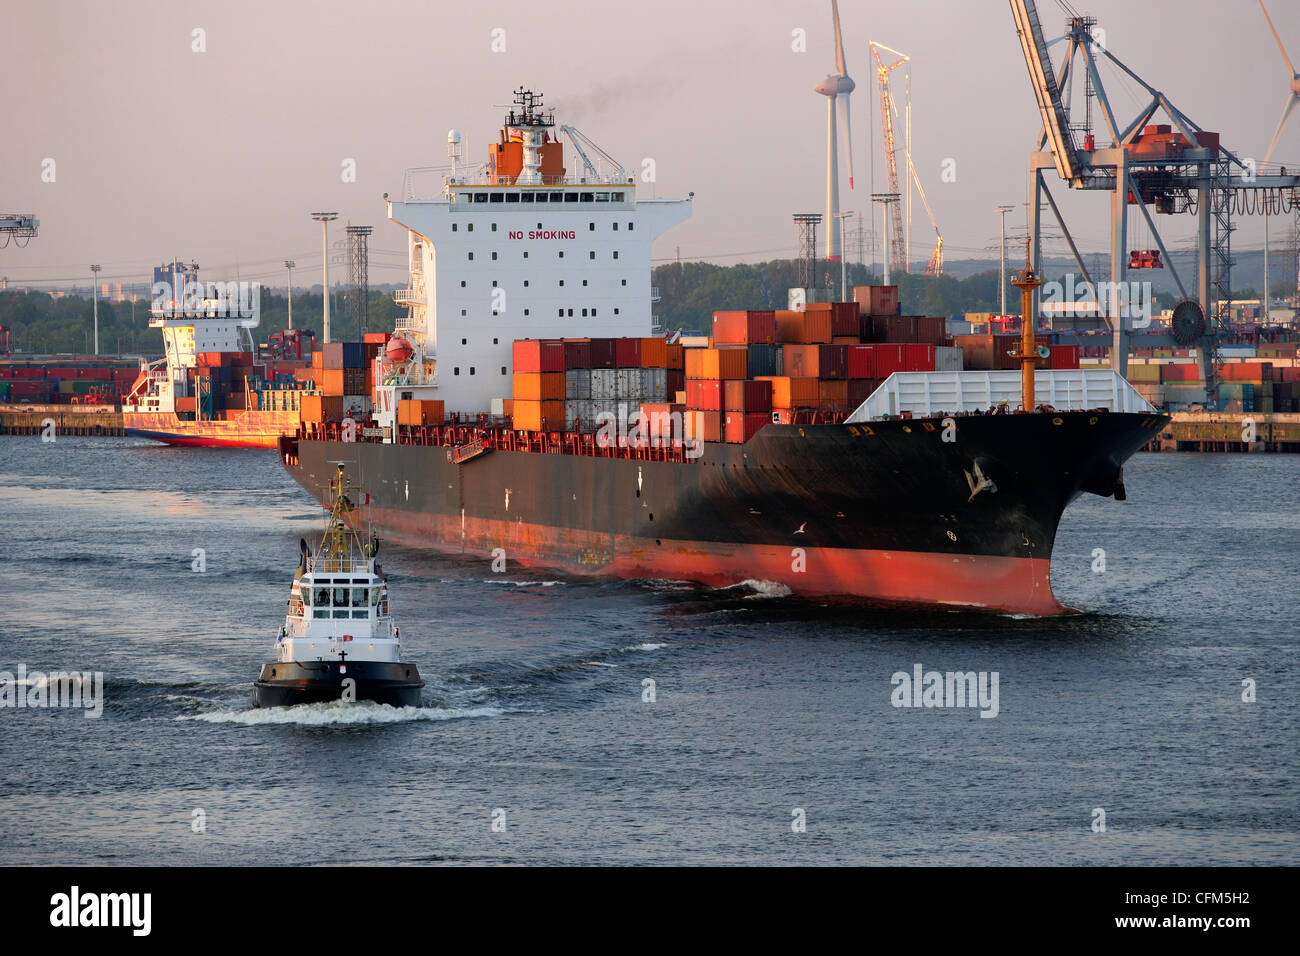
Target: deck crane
<point x="897" y="242"/>
<point x="578" y="139"/>
<point x="1174" y="167"/>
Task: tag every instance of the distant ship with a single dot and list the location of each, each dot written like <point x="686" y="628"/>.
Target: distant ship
<point x="211" y="388"/>
<point x="901" y="481"/>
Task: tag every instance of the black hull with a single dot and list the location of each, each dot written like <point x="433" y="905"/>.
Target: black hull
<point x="319" y="682"/>
<point x="881" y="510"/>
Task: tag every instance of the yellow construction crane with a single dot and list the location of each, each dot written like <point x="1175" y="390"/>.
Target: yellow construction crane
<point x="888" y="111"/>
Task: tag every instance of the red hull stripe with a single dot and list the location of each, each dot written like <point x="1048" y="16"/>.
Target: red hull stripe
<point x="989" y="582"/>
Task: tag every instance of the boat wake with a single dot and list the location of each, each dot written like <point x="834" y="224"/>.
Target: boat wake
<point x="761" y="589"/>
<point x="337" y="713"/>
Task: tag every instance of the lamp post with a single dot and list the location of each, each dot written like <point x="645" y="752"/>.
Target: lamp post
<point x="1002" y="272"/>
<point x="94" y="292"/>
<point x="324" y="219"/>
<point x="289" y="264"/>
<point x="884" y="199"/>
<point x="844" y="258"/>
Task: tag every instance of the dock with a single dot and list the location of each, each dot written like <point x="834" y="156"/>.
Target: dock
<point x="1229" y="432"/>
<point x="81" y="420"/>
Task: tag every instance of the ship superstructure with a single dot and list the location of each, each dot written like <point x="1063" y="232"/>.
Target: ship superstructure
<point x="520" y="247"/>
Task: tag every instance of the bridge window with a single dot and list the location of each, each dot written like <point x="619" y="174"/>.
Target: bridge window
<point x="480" y="197"/>
<point x="494" y="227"/>
<point x="585" y="197"/>
<point x="512" y="197"/>
<point x="526" y="197"/>
<point x="557" y="197"/>
<point x="498" y="197"/>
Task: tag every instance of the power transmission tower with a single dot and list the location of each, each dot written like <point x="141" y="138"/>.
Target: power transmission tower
<point x="805" y="224"/>
<point x="359" y="276"/>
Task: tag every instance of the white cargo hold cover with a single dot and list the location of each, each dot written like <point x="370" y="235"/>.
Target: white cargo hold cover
<point x="926" y="394"/>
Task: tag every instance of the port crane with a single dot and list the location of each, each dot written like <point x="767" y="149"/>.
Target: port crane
<point x="888" y="113"/>
<point x="1172" y="168"/>
<point x="897" y="242"/>
<point x="15" y="226"/>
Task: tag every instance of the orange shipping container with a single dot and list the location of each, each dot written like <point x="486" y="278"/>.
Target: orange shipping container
<point x="321" y="408"/>
<point x="717" y="363"/>
<point x="539" y="386"/>
<point x="331" y="381"/>
<point x="538" y="416"/>
<point x="414" y="411"/>
<point x="803" y="328"/>
<point x="703" y="425"/>
<point x="832" y="394"/>
<point x="676" y="357"/>
<point x="654" y="353"/>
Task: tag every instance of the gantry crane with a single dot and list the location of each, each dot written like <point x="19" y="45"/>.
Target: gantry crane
<point x="1174" y="167"/>
<point x="17" y="226"/>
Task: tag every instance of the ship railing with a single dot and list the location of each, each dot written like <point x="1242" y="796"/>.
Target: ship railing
<point x="408" y="297"/>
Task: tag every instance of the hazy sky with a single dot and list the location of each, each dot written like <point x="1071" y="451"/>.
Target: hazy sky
<point x="220" y="156"/>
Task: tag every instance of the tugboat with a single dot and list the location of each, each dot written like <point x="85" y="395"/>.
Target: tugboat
<point x="338" y="641"/>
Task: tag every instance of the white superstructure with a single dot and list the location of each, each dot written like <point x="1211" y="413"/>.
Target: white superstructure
<point x="520" y="248"/>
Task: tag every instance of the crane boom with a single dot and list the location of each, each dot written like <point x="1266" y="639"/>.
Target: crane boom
<point x="897" y="243"/>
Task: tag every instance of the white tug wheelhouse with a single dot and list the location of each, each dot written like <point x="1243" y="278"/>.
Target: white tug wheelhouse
<point x="338" y="604"/>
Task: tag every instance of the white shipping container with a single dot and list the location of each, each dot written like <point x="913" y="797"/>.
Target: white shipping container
<point x="947" y="358"/>
<point x="656" y="384"/>
<point x="604" y="384"/>
<point x="577" y="383"/>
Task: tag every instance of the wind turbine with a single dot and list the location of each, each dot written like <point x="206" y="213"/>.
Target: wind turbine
<point x="835" y="86"/>
<point x="1293" y="97"/>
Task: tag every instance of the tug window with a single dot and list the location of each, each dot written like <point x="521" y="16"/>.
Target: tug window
<point x="340" y="597"/>
<point x="306" y="595"/>
<point x="358" y="597"/>
<point x="374" y="597"/>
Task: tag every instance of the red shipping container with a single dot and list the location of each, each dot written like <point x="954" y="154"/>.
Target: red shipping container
<point x="747" y="327"/>
<point x="1169" y="372"/>
<point x="531" y="355"/>
<point x="918" y="357"/>
<point x="860" y="390"/>
<point x="577" y="353"/>
<point x="889" y="359"/>
<point x="747" y="396"/>
<point x="861" y="361"/>
<point x="627" y="353"/>
<point x="1064" y="356"/>
<point x="876" y="299"/>
<point x="740" y="427"/>
<point x="604" y="353"/>
<point x="676" y="357"/>
<point x="704" y="394"/>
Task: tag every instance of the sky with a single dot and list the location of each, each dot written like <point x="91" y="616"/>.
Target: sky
<point x="159" y="149"/>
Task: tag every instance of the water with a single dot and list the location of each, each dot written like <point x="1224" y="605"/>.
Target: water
<point x="534" y="698"/>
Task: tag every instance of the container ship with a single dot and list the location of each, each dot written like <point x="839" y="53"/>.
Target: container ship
<point x="213" y="386"/>
<point x="836" y="448"/>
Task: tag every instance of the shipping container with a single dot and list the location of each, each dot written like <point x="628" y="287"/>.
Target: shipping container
<point x="539" y="386"/>
<point x="747" y="396"/>
<point x="676" y="357"/>
<point x="604" y="384"/>
<point x="724" y="363"/>
<point x="832" y="395"/>
<point x="1064" y="356"/>
<point x="537" y="355"/>
<point x="861" y="361"/>
<point x="703" y="425"/>
<point x="603" y="353"/>
<point x="706" y="394"/>
<point x="654" y="353"/>
<point x="918" y="357"/>
<point x="332" y="381"/>
<point x="740" y="427"/>
<point x="321" y="408"/>
<point x="761" y="360"/>
<point x="414" y="411"/>
<point x="577" y="383"/>
<point x="803" y="328"/>
<point x="816" y="361"/>
<point x="747" y="327"/>
<point x="876" y="299"/>
<point x="540" y="416"/>
<point x="577" y="353"/>
<point x="332" y="355"/>
<point x="627" y="353"/>
<point x="947" y="358"/>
